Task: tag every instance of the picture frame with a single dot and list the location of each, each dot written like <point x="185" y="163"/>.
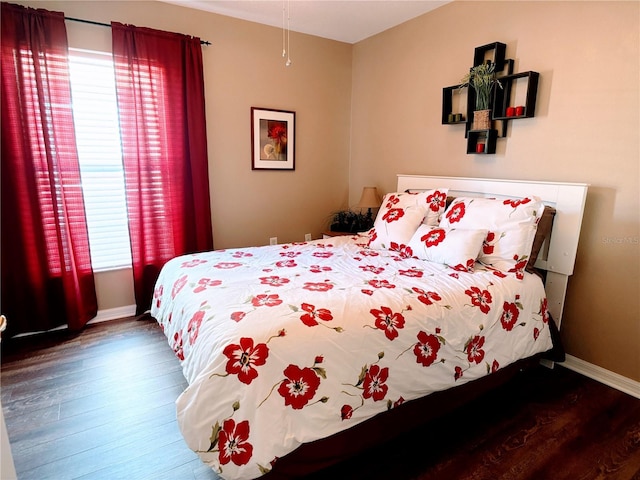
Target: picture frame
<point x="272" y="139"/>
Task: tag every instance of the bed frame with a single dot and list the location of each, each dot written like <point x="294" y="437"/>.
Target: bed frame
<point x="557" y="261"/>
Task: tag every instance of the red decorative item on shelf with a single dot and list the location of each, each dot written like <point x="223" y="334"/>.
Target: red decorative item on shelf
<point x="511" y="111"/>
<point x="479" y="147"/>
<point x="519" y="110"/>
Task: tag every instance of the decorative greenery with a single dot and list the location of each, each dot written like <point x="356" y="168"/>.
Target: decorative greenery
<point x="482" y="78"/>
<point x="349" y="221"/>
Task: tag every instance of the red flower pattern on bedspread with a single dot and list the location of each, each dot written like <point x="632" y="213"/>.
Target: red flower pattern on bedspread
<point x="204" y="283"/>
<point x="266" y="300"/>
<point x="509" y="316"/>
<point x="274" y="281"/>
<point x="234" y="446"/>
<point x="426" y="350"/>
<point x="299" y="386"/>
<point x="480" y="298"/>
<point x="194" y="326"/>
<point x="178" y="285"/>
<point x="403" y="311"/>
<point x="473" y="349"/>
<point x="374" y="383"/>
<point x="312" y="314"/>
<point x="244" y="357"/>
<point x="388" y="321"/>
<point x="318" y="286"/>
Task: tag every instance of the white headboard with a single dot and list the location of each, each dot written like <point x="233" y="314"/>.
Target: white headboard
<point x="567" y="198"/>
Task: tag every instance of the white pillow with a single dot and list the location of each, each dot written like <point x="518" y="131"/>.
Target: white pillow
<point x="511" y="226"/>
<point x="401" y="213"/>
<point x="454" y="247"/>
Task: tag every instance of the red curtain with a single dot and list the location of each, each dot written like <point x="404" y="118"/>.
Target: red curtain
<point x="160" y="90"/>
<point x="47" y="279"/>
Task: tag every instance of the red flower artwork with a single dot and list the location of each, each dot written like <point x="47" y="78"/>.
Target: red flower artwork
<point x="458" y="373"/>
<point x="456" y="213"/>
<point x="289" y="254"/>
<point x="234" y="446"/>
<point x="509" y="316"/>
<point x="436" y="200"/>
<point x="480" y="298"/>
<point x="474" y="349"/>
<point x="310" y="318"/>
<point x="434" y="237"/>
<point x="237" y="316"/>
<point x="374" y="383"/>
<point x="243" y="358"/>
<point x="393" y="214"/>
<point x="426" y="350"/>
<point x="299" y="386"/>
<point x="387" y="321"/>
<point x="266" y="300"/>
<point x="495" y="366"/>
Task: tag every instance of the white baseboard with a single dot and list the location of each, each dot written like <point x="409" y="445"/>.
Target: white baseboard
<point x="113" y="314"/>
<point x="603" y="375"/>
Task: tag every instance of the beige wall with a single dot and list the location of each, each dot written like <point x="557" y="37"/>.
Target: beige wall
<point x="586" y="129"/>
<point x="369" y="111"/>
<point x="243" y="68"/>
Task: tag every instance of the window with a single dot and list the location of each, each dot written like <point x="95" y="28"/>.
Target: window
<point x="97" y="130"/>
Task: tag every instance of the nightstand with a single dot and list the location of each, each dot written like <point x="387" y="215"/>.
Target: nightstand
<point x="329" y="234"/>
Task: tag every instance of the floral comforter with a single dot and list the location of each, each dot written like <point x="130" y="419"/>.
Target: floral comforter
<point x="286" y="344"/>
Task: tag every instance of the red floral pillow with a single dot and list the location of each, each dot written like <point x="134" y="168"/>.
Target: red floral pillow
<point x="456" y="248"/>
<point x="511" y="224"/>
<point x="402" y="213"/>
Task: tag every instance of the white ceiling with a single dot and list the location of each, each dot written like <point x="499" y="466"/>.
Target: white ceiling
<point x="346" y="21"/>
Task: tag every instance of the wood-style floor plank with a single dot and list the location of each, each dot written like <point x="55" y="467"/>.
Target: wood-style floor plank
<point x="101" y="405"/>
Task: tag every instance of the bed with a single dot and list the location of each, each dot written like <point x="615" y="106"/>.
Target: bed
<point x="302" y="354"/>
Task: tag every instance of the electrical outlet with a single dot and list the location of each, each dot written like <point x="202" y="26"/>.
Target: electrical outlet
<point x="273" y="241"/>
<point x="307" y="237"/>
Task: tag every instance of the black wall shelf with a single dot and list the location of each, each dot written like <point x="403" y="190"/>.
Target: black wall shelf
<point x="501" y="105"/>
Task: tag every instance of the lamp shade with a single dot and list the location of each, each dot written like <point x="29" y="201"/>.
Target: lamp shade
<point x="369" y="198"/>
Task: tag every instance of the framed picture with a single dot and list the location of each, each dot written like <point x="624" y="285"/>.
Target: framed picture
<point x="273" y="139"/>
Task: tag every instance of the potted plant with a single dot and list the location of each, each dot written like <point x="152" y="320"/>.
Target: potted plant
<point x="482" y="78"/>
<point x="349" y="221"/>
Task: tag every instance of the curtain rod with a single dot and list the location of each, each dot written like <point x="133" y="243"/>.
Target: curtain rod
<point x="91" y="22"/>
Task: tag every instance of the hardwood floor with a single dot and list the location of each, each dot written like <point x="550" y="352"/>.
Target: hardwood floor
<point x="100" y="405"/>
